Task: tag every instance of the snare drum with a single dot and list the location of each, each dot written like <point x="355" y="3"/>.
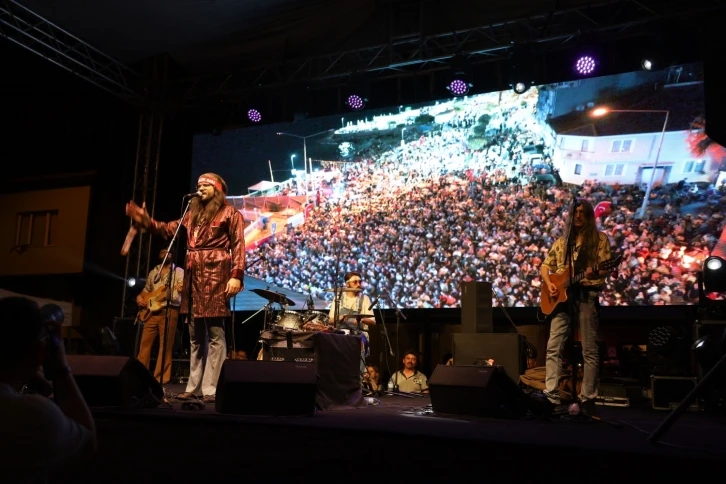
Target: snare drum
<point x="289" y="320"/>
<point x="318" y="317"/>
<point x="315" y="321"/>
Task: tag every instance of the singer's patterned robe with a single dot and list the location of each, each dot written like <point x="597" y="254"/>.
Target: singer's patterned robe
<point x="215" y="253"/>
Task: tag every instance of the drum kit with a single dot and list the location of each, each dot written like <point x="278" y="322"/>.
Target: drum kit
<point x="283" y="319"/>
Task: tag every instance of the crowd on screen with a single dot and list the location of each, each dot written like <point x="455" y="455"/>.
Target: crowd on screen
<point x="420" y="218"/>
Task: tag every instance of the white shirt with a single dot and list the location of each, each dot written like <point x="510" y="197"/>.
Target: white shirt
<point x="36" y="435"/>
<point x="352" y="304"/>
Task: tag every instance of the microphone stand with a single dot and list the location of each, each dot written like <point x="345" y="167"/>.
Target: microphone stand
<point x="169" y="292"/>
<point x="573" y="300"/>
<point x="394" y="377"/>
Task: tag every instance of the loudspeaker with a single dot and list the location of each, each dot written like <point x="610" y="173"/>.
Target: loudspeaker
<point x="281" y="388"/>
<point x="476" y="307"/>
<point x="481" y="391"/>
<point x="506" y="349"/>
<point x="115" y="381"/>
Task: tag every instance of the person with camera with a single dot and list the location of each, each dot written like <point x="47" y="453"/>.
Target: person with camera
<point x="38" y="433"/>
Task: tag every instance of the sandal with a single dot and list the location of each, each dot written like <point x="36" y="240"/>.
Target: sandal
<point x="209" y="398"/>
<point x="185" y="396"/>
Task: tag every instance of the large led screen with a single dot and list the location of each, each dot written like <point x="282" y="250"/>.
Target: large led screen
<point x="424" y="197"/>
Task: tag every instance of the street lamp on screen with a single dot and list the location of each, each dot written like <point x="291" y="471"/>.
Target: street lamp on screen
<point x="308" y="169"/>
<point x="604" y="110"/>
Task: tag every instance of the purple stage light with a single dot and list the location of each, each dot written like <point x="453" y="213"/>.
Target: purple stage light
<point x="254" y="115"/>
<point x="355" y="102"/>
<point x="458" y="87"/>
<point x="585" y="65"/>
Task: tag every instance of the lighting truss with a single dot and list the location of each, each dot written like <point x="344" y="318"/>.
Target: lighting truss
<point x="416" y="53"/>
<point x="29" y="30"/>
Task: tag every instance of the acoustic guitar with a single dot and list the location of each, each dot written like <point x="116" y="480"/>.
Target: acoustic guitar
<point x="155" y="301"/>
<point x="548" y="302"/>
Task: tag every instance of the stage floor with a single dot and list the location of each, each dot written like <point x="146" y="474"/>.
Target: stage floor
<point x="400" y="437"/>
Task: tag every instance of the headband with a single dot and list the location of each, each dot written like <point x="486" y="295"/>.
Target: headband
<point x="208" y="180"/>
<point x="353" y="277"/>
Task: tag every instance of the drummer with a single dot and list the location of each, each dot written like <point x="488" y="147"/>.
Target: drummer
<point x="354" y="302"/>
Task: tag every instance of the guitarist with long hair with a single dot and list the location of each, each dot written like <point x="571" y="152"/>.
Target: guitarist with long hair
<point x="590" y="248"/>
<point x="152" y="302"/>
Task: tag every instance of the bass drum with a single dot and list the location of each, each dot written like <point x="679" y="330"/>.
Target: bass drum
<point x="289" y="320"/>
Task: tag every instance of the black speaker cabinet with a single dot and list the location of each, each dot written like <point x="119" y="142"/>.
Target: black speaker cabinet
<point x="280" y="388"/>
<point x="476" y="307"/>
<point x="115" y="381"/>
<point x="506" y="349"/>
<point x="480" y="391"/>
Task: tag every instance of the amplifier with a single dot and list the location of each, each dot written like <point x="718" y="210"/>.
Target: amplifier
<point x="299" y="355"/>
<point x="669" y="391"/>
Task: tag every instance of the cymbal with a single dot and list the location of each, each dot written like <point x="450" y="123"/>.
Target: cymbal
<point x="344" y="289"/>
<point x="274" y="296"/>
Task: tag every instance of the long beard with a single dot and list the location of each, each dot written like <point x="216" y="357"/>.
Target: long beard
<point x="203" y="212"/>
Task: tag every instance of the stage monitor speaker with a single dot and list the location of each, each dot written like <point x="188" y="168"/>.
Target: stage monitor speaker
<point x="506" y="349"/>
<point x="115" y="381"/>
<point x="480" y="391"/>
<point x="476" y="307"/>
<point x="280" y="388"/>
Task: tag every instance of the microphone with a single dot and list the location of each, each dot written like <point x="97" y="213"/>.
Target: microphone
<point x="375" y="301"/>
<point x="193" y="195"/>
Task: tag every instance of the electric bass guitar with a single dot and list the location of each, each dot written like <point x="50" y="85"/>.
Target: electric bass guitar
<point x="548" y="302"/>
<point x="155" y="301"/>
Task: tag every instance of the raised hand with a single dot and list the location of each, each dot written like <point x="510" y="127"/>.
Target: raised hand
<point x="138" y="214"/>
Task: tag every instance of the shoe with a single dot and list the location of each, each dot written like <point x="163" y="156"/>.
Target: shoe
<point x="588" y="407"/>
<point x="554" y="398"/>
<point x="185" y="396"/>
<point x="209" y="398"/>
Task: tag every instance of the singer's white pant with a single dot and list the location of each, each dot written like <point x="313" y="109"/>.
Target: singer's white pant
<point x="207" y="355"/>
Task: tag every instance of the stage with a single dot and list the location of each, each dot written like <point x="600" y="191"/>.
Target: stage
<point x="397" y="438"/>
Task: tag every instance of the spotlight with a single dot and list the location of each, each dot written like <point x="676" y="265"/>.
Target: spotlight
<point x="355" y="102"/>
<point x="254" y="115"/>
<point x="714" y="274"/>
<point x="706" y="351"/>
<point x="585" y="65"/>
<point x="135" y="282"/>
<point x="647" y="64"/>
<point x="662" y="339"/>
<point x="520" y="87"/>
<point x="459" y="87"/>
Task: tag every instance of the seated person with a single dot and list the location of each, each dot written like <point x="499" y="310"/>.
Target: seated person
<point x="410" y="380"/>
<point x="371" y="379"/>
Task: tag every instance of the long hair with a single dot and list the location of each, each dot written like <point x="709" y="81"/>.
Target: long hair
<point x="202" y="213"/>
<point x="588" y="231"/>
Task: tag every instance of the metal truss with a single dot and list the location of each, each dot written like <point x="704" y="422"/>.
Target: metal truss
<point x="415" y="53"/>
<point x="29" y="30"/>
<point x="146" y="169"/>
<point x="146" y="176"/>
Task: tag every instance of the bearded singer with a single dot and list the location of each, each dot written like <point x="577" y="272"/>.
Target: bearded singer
<point x="214" y="272"/>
